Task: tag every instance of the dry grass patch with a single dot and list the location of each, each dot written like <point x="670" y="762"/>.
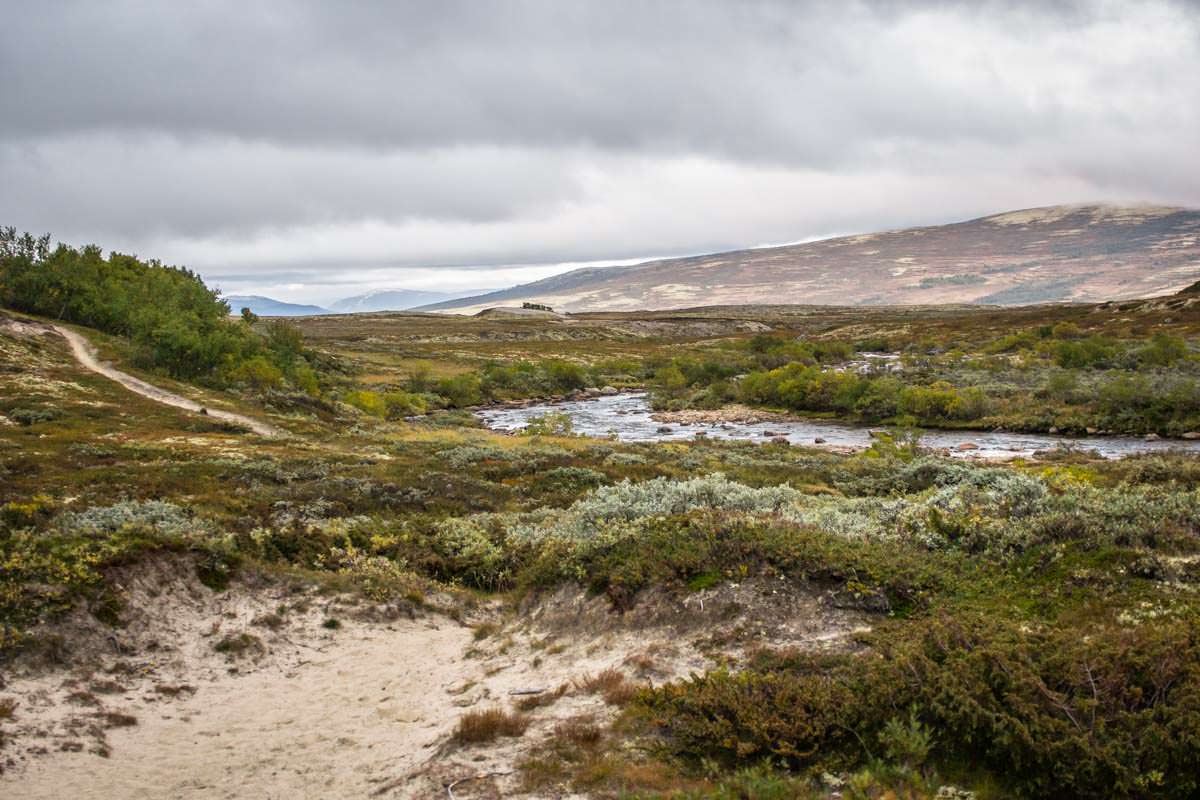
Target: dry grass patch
<point x="272" y="621"/>
<point x="115" y="719"/>
<point x="580" y="731"/>
<point x="611" y="684"/>
<point x="82" y="698"/>
<point x="485" y="630"/>
<point x="476" y="727"/>
<point x="533" y="701"/>
<point x="106" y="687"/>
<point x="8" y="707"/>
<point x="643" y="664"/>
<point x="240" y="644"/>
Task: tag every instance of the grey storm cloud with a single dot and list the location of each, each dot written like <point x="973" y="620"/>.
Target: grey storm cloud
<point x="288" y="138"/>
<point x="784" y="81"/>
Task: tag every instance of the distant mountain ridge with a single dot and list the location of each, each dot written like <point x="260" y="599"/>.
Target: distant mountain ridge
<point x="379" y="300"/>
<point x="564" y="282"/>
<point x="394" y="300"/>
<point x="1056" y="253"/>
<point x="270" y="307"/>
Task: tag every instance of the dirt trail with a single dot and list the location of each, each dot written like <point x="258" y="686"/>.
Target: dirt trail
<point x="85" y="354"/>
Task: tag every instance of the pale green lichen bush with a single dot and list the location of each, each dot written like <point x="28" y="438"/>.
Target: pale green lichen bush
<point x="575" y="479"/>
<point x="624" y="459"/>
<point x="468" y="454"/>
<point x="1003" y="512"/>
<point x="950" y="506"/>
<point x="628" y="501"/>
<point x="164" y="518"/>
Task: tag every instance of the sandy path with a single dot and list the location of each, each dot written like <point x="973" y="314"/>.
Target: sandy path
<point x="366" y="711"/>
<point x="85" y="354"/>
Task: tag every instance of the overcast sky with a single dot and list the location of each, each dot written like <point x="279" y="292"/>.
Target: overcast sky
<point x="309" y="150"/>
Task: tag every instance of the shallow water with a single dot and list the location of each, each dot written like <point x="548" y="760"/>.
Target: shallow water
<point x="627" y="417"/>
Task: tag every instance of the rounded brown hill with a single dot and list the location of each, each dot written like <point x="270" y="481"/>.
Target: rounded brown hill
<point x="1058" y="253"/>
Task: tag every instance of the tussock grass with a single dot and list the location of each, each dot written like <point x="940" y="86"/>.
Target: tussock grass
<point x="535" y="701"/>
<point x="8" y="707"/>
<point x="239" y="644"/>
<point x="611" y="684"/>
<point x="581" y="731"/>
<point x="485" y="630"/>
<point x="115" y="719"/>
<point x="477" y="727"/>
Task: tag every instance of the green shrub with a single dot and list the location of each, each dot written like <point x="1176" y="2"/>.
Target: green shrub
<point x="1162" y="350"/>
<point x="471" y="548"/>
<point x="565" y="376"/>
<point x="174" y="321"/>
<point x="461" y="390"/>
<point x="404" y="404"/>
<point x="32" y="416"/>
<point x="1095" y="351"/>
<point x="1022" y="340"/>
<point x="379" y="578"/>
<point x="257" y="372"/>
<point x="941" y="401"/>
<point x="906" y="741"/>
<point x="1113" y="713"/>
<point x="880" y="400"/>
<point x="1066" y="330"/>
<point x="368" y="402"/>
<point x="22" y="514"/>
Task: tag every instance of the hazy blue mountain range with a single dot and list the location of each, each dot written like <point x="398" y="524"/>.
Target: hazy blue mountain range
<point x="269" y="307"/>
<point x="394" y="300"/>
<point x="379" y="300"/>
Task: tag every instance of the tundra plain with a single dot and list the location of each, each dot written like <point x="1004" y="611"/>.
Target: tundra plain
<point x="304" y="566"/>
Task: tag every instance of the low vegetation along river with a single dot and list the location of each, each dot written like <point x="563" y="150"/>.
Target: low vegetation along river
<point x="628" y="417"/>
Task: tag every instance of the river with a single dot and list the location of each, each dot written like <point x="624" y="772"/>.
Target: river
<point x="627" y="417"/>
